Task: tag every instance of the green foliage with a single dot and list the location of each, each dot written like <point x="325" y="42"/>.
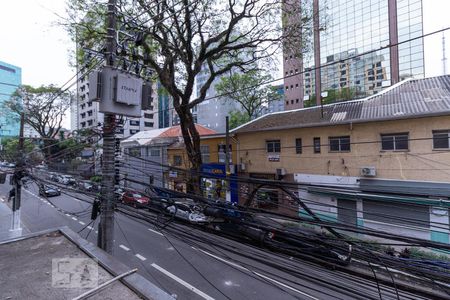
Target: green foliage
<point x="11" y="146"/>
<point x="238" y="118"/>
<point x="96" y="179"/>
<point x="45" y="108"/>
<point x="249" y="90"/>
<point x="333" y="96"/>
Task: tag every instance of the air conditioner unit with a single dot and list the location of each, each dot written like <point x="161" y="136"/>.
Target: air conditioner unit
<point x="281" y="172"/>
<point x="241" y="167"/>
<point x="368" y="172"/>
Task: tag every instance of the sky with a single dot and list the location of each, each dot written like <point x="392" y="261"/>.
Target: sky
<point x="31" y="39"/>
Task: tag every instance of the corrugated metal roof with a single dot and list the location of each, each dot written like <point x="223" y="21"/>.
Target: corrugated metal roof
<point x="408" y="99"/>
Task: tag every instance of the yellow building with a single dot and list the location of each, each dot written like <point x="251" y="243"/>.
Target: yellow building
<point x="213" y="159"/>
<point x="394" y="143"/>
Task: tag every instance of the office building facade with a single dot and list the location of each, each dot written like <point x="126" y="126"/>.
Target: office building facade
<point x="10" y="80"/>
<point x="357" y="48"/>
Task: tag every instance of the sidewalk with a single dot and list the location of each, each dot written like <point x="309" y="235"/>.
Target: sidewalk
<point x="5" y="222"/>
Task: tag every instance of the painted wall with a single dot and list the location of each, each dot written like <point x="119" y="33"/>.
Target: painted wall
<point x="420" y="162"/>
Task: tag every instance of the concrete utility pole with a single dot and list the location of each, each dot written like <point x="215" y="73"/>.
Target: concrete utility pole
<point x="227" y="158"/>
<point x="106" y="225"/>
<point x="17" y="177"/>
<point x="444" y="58"/>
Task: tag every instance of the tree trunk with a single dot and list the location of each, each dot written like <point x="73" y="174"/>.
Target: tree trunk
<point x="192" y="144"/>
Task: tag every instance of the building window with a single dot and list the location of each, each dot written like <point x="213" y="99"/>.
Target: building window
<point x="177" y="160"/>
<point x="204" y="149"/>
<point x="273" y="146"/>
<point x="287" y="102"/>
<point x="134" y="123"/>
<point x="136" y="152"/>
<point x="339" y="144"/>
<point x="148" y="124"/>
<point x="394" y="141"/>
<point x="441" y="139"/>
<point x="89" y="104"/>
<point x="148" y="116"/>
<point x="133" y="131"/>
<point x="316" y="143"/>
<point x="298" y="146"/>
<point x="153" y="152"/>
<point x="221" y="153"/>
<point x="90" y="123"/>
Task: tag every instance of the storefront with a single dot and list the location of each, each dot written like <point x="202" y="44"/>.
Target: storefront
<point x="214" y="183"/>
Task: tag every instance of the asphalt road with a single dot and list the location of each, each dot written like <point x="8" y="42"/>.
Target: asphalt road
<point x="193" y="264"/>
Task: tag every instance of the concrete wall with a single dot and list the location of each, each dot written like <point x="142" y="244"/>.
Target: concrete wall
<point x="420" y="162"/>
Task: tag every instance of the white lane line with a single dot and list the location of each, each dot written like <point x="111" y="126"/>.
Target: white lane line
<point x="140" y="257"/>
<point x="257" y="273"/>
<point x="81" y="222"/>
<point x="75" y="219"/>
<point x="96" y="232"/>
<point x="90" y="227"/>
<point x="182" y="282"/>
<point x="154" y="231"/>
<point x="68" y="215"/>
<point x="124" y="248"/>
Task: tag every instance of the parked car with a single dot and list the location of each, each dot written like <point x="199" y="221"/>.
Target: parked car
<point x="135" y="199"/>
<point x="67" y="180"/>
<point x="86" y="185"/>
<point x="188" y="212"/>
<point x="119" y="192"/>
<point x="48" y="190"/>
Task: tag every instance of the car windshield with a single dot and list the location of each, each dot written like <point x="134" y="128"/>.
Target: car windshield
<point x="137" y="195"/>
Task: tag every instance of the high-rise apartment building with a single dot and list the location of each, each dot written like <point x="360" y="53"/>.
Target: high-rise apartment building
<point x="212" y="111"/>
<point x="10" y="80"/>
<point x="357" y="48"/>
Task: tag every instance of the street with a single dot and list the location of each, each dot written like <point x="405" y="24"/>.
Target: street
<point x="193" y="264"/>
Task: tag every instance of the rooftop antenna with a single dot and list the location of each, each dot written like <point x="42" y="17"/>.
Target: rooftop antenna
<point x="444" y="58"/>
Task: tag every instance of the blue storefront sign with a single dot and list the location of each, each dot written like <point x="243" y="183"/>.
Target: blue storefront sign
<point x="216" y="172"/>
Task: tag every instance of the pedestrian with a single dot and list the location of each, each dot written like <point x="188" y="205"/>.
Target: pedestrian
<point x="12" y="193"/>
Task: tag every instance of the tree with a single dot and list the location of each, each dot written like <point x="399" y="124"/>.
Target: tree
<point x="10" y="146"/>
<point x="249" y="90"/>
<point x="44" y="110"/>
<point x="180" y="40"/>
<point x="238" y="118"/>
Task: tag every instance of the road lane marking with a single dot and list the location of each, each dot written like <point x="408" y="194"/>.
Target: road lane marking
<point x="90" y="227"/>
<point x="124" y="248"/>
<point x="154" y="231"/>
<point x="96" y="232"/>
<point x="140" y="257"/>
<point x="257" y="274"/>
<point x="81" y="222"/>
<point x="182" y="282"/>
<point x="75" y="219"/>
<point x="68" y="215"/>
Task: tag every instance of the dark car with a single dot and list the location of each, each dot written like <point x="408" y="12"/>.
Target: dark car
<point x="135" y="199"/>
<point x="48" y="191"/>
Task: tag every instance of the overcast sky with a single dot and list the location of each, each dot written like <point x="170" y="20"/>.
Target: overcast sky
<point x="31" y="40"/>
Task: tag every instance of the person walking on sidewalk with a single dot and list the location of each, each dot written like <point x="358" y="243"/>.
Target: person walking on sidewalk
<point x="12" y="193"/>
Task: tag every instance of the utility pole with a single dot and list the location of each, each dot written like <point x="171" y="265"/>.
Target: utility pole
<point x="106" y="225"/>
<point x="444" y="58"/>
<point x="227" y="158"/>
<point x="17" y="177"/>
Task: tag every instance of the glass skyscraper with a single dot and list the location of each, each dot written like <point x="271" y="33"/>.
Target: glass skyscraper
<point x="10" y="80"/>
<point x="360" y="46"/>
